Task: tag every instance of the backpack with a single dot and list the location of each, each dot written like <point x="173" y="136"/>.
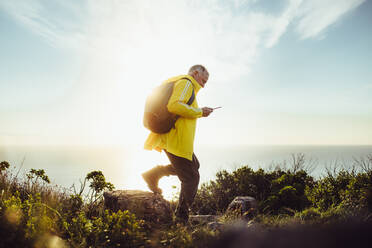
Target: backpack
<point x="156" y="117"/>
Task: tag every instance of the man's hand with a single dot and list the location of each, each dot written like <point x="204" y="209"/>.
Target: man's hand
<point x="207" y="111"/>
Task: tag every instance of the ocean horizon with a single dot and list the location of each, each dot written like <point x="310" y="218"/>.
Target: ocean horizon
<point x="122" y="166"/>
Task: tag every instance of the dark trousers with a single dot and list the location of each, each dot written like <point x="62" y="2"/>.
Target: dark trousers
<point x="188" y="173"/>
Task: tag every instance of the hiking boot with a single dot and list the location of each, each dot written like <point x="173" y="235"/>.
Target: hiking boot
<point x="152" y="177"/>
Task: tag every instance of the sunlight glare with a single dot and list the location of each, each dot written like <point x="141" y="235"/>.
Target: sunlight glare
<point x="142" y="161"/>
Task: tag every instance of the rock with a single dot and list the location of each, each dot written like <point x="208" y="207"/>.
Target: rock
<point x="245" y="205"/>
<point x="145" y="205"/>
<point x="201" y="219"/>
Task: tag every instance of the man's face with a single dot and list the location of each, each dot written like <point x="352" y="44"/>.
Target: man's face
<point x="201" y="77"/>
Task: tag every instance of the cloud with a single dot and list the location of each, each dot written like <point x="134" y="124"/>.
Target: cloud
<point x="316" y="16"/>
<point x="227" y="36"/>
<point x="42" y="18"/>
<point x="310" y="18"/>
<point x="280" y="24"/>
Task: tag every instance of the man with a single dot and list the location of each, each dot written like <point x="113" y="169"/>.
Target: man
<point x="178" y="143"/>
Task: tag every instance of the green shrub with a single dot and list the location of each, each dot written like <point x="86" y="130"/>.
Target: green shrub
<point x="273" y="221"/>
<point x="4" y="166"/>
<point x="34" y="175"/>
<point x="355" y="196"/>
<point x="334" y="214"/>
<point x="184" y="236"/>
<point x="346" y="189"/>
<point x="109" y="230"/>
<point x="25" y="222"/>
<point x="274" y="190"/>
<point x="309" y="214"/>
<point x="112" y="229"/>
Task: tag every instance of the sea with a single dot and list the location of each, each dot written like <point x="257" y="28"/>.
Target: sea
<point x="67" y="166"/>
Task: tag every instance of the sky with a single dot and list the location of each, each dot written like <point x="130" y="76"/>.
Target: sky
<point x="285" y="72"/>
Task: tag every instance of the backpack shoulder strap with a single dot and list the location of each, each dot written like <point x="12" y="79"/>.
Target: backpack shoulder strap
<point x="192" y="98"/>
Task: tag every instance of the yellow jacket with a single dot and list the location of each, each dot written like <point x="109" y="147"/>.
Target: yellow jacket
<point x="180" y="139"/>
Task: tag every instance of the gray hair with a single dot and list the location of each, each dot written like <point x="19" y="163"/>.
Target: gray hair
<point x="199" y="68"/>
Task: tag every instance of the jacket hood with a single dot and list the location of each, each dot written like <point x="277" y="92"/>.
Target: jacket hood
<point x="196" y="85"/>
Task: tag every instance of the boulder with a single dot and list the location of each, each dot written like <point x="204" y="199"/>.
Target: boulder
<point x="246" y="206"/>
<point x="145" y="205"/>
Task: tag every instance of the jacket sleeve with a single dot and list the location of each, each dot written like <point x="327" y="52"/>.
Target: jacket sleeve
<point x="177" y="103"/>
